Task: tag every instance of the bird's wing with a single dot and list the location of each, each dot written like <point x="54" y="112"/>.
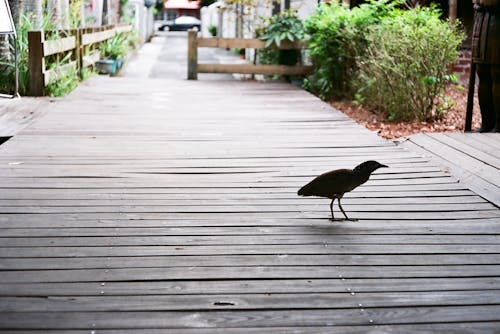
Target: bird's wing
<point x="331" y="183"/>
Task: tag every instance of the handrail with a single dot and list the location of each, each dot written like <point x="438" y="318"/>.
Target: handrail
<point x="194" y="67"/>
<point x="77" y="42"/>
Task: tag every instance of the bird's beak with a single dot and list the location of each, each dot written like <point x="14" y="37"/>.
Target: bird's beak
<point x="383" y="166"/>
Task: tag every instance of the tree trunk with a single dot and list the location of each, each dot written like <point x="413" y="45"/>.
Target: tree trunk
<point x="4" y="39"/>
<point x="54" y="12"/>
<point x="14" y="9"/>
<point x="65" y="14"/>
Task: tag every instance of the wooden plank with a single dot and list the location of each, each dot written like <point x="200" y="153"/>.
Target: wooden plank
<point x="221" y="208"/>
<point x="235" y="319"/>
<point x="475" y="153"/>
<point x="478" y="176"/>
<point x="451" y="328"/>
<point x="59" y="72"/>
<point x="259" y="239"/>
<point x="151" y="228"/>
<point x="123" y="28"/>
<point x="89" y="60"/>
<point x="224" y="287"/>
<point x="51" y="47"/>
<point x="95" y="37"/>
<point x="266" y="302"/>
<point x="247" y="43"/>
<point x="165" y="250"/>
<point x="39" y="263"/>
<point x="254" y="69"/>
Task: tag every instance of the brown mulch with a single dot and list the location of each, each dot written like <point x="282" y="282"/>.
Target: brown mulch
<point x="453" y="121"/>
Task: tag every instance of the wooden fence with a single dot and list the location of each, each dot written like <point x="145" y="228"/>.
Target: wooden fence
<point x="194" y="67"/>
<point x="83" y="43"/>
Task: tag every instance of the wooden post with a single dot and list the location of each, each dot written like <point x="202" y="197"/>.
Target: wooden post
<point x="470" y="97"/>
<point x="192" y="55"/>
<point x="77" y="54"/>
<point x="36" y="62"/>
<point x="452" y="12"/>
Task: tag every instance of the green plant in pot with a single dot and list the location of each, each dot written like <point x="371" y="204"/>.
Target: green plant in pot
<point x="280" y="27"/>
<point x="113" y="51"/>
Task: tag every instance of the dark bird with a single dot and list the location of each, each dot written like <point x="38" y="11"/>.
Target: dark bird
<point x="336" y="183"/>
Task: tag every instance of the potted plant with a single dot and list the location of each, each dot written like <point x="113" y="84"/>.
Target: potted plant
<point x="113" y="52"/>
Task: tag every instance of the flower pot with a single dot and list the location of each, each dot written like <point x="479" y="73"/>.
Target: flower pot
<point x="106" y="66"/>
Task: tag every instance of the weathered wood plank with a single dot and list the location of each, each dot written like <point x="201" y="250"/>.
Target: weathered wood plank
<point x="244" y="260"/>
<point x="277" y="286"/>
<point x="246" y="43"/>
<point x="482" y="178"/>
<point x="451" y="328"/>
<point x="244" y="249"/>
<point x="235" y="319"/>
<point x="242" y="272"/>
<point x="98" y="36"/>
<point x="341" y="300"/>
<point x="254" y="69"/>
<point x="51" y="47"/>
<point x="259" y="239"/>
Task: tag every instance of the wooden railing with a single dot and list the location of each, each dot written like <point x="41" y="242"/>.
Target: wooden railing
<point x="194" y="67"/>
<point x="83" y="43"/>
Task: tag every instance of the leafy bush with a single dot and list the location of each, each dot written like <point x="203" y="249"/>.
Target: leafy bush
<point x="337" y="40"/>
<point x="7" y="64"/>
<point x="280" y="27"/>
<point x="283" y="26"/>
<point x="115" y="47"/>
<point x="405" y="69"/>
<point x="386" y="58"/>
<point x="212" y="29"/>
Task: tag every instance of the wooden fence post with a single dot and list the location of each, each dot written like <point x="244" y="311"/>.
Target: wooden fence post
<point x="78" y="53"/>
<point x="192" y="55"/>
<point x="36" y="62"/>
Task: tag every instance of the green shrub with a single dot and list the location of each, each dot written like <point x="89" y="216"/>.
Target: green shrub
<point x="280" y="27"/>
<point x="7" y="64"/>
<point x="405" y="68"/>
<point x="115" y="47"/>
<point x="283" y="26"/>
<point x="337" y="40"/>
<point x="212" y="29"/>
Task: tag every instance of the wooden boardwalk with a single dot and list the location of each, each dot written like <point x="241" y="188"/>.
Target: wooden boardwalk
<point x="163" y="206"/>
<point x="474" y="158"/>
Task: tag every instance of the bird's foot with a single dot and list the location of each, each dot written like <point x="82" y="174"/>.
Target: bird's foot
<point x="343" y="219"/>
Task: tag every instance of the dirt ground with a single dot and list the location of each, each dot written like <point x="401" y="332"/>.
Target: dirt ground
<point x="454" y="120"/>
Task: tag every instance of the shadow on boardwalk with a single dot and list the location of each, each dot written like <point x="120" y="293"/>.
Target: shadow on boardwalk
<point x="141" y="204"/>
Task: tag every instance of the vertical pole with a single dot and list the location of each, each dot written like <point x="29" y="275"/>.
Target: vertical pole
<point x="470" y="97"/>
<point x="76" y="51"/>
<point x="192" y="55"/>
<point x="16" y="60"/>
<point x="36" y="62"/>
<point x="452" y="12"/>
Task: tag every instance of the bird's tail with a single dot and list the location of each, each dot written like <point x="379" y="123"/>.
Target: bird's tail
<point x="304" y="191"/>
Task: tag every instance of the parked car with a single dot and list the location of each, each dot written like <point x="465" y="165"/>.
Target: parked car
<point x="182" y="23"/>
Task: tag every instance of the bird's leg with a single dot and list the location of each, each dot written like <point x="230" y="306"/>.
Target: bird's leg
<point x="346" y="218"/>
<point x="331" y="208"/>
